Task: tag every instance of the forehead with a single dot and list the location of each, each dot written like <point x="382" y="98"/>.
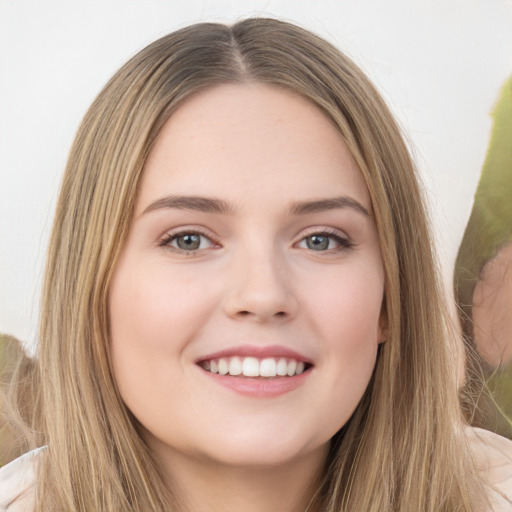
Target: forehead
<point x="246" y="138"/>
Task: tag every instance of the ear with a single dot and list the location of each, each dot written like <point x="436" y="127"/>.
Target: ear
<point x="383" y="329"/>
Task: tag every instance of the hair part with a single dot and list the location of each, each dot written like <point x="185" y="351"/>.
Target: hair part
<point x="403" y="436"/>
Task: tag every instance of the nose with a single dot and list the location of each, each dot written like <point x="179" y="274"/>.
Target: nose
<point x="260" y="288"/>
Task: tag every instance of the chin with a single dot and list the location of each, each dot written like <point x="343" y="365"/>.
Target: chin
<point x="257" y="457"/>
<point x="260" y="447"/>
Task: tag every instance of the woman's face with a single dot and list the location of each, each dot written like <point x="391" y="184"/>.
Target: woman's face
<point x="252" y="251"/>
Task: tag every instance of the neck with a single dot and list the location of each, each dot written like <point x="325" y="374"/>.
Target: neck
<point x="205" y="486"/>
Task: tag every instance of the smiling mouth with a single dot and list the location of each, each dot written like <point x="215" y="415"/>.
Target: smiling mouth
<point x="254" y="367"/>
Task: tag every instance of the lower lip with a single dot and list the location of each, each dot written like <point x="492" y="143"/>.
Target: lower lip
<point x="259" y="387"/>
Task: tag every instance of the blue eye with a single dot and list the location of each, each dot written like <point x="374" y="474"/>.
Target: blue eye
<point x="186" y="241"/>
<point x="318" y="242"/>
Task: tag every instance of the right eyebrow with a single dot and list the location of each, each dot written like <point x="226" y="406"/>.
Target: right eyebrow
<point x="197" y="203"/>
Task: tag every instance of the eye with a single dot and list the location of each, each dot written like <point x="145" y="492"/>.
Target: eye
<point x="186" y="241"/>
<point x="323" y="242"/>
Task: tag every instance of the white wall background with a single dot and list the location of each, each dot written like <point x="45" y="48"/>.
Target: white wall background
<point x="439" y="63"/>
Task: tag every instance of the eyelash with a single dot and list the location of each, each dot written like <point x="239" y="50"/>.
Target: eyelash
<point x="343" y="243"/>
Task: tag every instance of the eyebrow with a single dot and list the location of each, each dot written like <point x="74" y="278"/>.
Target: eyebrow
<point x="197" y="203"/>
<point x="221" y="207"/>
<point x="321" y="205"/>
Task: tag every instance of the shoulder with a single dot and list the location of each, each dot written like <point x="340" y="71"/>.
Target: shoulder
<point x="17" y="483"/>
<point x="493" y="458"/>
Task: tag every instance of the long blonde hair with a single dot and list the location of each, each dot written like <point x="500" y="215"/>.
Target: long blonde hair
<point x="402" y="450"/>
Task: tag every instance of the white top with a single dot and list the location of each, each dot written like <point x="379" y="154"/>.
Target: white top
<point x="493" y="456"/>
<point x="17" y="483"/>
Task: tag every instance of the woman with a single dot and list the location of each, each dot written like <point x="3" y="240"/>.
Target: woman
<point x="240" y="306"/>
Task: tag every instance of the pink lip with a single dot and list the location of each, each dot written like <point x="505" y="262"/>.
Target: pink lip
<point x="256" y="351"/>
<point x="258" y="387"/>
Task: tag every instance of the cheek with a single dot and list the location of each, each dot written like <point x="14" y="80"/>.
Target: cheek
<point x="348" y="316"/>
<point x="153" y="316"/>
<point x="151" y="306"/>
<point x="348" y="308"/>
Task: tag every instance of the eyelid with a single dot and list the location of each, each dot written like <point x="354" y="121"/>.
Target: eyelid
<point x="323" y="230"/>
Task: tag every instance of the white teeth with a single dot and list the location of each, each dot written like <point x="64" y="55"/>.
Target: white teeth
<point x="223" y="367"/>
<point x="282" y="367"/>
<point x="291" y="367"/>
<point x="253" y="367"/>
<point x="235" y="366"/>
<point x="268" y="368"/>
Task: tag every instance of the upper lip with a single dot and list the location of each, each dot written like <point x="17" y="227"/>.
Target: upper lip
<point x="260" y="352"/>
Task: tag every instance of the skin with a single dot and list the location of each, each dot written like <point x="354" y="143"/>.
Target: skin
<point x="253" y="280"/>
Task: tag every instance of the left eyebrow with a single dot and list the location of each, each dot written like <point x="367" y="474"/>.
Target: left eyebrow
<point x="321" y="205"/>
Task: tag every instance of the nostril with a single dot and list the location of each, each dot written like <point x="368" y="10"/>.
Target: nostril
<point x="244" y="313"/>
